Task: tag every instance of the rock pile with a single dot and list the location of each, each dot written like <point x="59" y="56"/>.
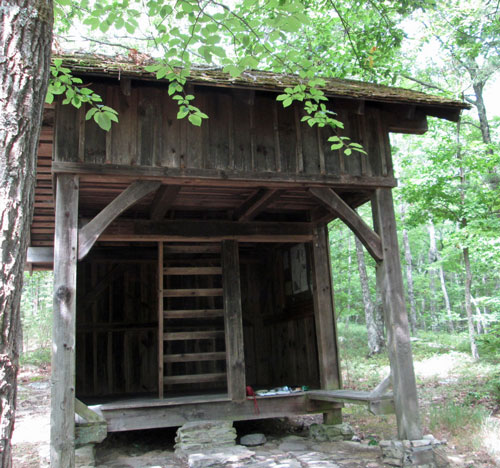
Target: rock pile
<point x="204" y="435"/>
<point x="424" y="453"/>
<point x="331" y="432"/>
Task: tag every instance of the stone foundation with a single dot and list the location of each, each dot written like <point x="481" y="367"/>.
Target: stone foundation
<point x="203" y="436"/>
<point x="424" y="453"/>
<point x="331" y="432"/>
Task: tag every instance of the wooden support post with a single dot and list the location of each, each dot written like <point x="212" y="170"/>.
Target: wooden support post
<point x="62" y="420"/>
<point x="324" y="317"/>
<point x="233" y="322"/>
<point x="161" y="329"/>
<point x="396" y="319"/>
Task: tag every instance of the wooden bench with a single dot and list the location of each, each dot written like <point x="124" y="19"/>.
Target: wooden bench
<point x="375" y="402"/>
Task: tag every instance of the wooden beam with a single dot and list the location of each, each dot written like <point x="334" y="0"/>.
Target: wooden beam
<point x="176" y="412"/>
<point x="324" y="313"/>
<point x="62" y="427"/>
<point x="217" y="177"/>
<point x="92" y="230"/>
<point x="396" y="318"/>
<point x="163" y="200"/>
<point x="258" y="202"/>
<point x="42" y="255"/>
<point x="366" y="235"/>
<point x="161" y="316"/>
<point x="233" y="322"/>
<point x="207" y="231"/>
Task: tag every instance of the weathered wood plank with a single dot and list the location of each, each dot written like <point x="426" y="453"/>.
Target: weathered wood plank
<point x="160" y="280"/>
<point x="208" y="231"/>
<point x="40" y="255"/>
<point x="390" y="279"/>
<point x="91" y="231"/>
<point x="233" y="323"/>
<point x="192" y="271"/>
<point x="215" y="177"/>
<point x="62" y="428"/>
<point x="194" y="378"/>
<point x="164" y="199"/>
<point x="193" y="335"/>
<point x="210" y="356"/>
<point x="366" y="235"/>
<point x="193" y="313"/>
<point x="324" y="313"/>
<point x="176" y="412"/>
<point x="192" y="292"/>
<point x="256" y="203"/>
<point x="66" y="133"/>
<point x="347" y="396"/>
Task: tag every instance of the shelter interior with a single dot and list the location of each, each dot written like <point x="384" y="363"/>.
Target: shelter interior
<point x="200" y="255"/>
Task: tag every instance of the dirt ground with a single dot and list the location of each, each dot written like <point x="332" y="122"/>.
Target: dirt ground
<point x="155" y="448"/>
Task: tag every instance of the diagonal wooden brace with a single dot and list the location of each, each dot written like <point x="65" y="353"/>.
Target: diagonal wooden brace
<point x="88" y="234"/>
<point x="369" y="238"/>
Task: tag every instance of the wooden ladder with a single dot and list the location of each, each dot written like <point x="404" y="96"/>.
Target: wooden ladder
<point x="191" y="333"/>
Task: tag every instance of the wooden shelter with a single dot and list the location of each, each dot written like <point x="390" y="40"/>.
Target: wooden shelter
<point x="192" y="262"/>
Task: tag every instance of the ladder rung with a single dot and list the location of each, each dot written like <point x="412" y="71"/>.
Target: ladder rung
<point x="192" y="270"/>
<point x="191" y="357"/>
<point x="195" y="378"/>
<point x="193" y="335"/>
<point x="206" y="248"/>
<point x="192" y="292"/>
<point x="193" y="313"/>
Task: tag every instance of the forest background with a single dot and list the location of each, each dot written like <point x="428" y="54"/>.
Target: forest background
<point x="448" y="197"/>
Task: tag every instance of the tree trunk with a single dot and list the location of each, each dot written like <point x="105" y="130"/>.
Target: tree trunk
<point x="436" y="258"/>
<point x="25" y="42"/>
<point x="432" y="290"/>
<point x="375" y="340"/>
<point x="465" y="252"/>
<point x="468" y="304"/>
<point x="409" y="275"/>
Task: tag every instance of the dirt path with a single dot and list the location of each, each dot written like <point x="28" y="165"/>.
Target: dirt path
<point x="287" y="445"/>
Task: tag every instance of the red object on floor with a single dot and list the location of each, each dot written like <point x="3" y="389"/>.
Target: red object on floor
<point x="251" y="393"/>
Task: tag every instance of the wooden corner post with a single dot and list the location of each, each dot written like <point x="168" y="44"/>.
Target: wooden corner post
<point x="233" y="321"/>
<point x="324" y="318"/>
<point x="62" y="420"/>
<point x="390" y="279"/>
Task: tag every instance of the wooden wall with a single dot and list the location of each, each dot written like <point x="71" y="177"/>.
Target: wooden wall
<point x="278" y="323"/>
<point x="116" y="341"/>
<point x="116" y="349"/>
<point x="247" y="132"/>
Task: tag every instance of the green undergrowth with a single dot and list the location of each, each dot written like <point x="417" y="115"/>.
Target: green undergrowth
<point x="37" y="357"/>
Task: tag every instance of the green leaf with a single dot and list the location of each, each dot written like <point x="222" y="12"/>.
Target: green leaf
<point x="90" y="113"/>
<point x="195" y="119"/>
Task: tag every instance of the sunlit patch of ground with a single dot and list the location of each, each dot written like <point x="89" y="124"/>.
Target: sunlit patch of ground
<point x="441" y="366"/>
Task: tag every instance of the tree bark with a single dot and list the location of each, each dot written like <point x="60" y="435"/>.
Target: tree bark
<point x="465" y="252"/>
<point x="409" y="275"/>
<point x="25" y="42"/>
<point x="434" y="253"/>
<point x="375" y="340"/>
<point x="468" y="304"/>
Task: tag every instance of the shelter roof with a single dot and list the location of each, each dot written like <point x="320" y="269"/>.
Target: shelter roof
<point x="119" y="66"/>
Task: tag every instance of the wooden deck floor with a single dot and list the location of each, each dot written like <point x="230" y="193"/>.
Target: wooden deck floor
<point x="151" y="413"/>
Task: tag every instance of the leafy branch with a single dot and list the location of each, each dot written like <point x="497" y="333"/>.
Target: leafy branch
<point x="62" y="82"/>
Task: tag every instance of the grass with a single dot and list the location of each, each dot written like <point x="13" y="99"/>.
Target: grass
<point x="459" y="398"/>
<point x="457" y="419"/>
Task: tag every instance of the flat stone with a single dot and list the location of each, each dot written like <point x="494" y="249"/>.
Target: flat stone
<point x="252" y="440"/>
<point x="293" y="446"/>
<point x="219" y="458"/>
<point x="85" y="456"/>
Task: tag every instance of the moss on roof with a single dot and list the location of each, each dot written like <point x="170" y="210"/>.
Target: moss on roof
<point x="123" y="67"/>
